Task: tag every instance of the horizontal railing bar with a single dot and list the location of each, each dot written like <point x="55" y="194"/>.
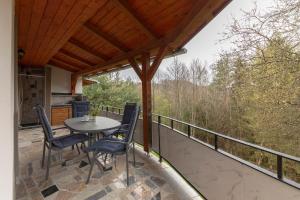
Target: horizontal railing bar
<point x="283" y="155"/>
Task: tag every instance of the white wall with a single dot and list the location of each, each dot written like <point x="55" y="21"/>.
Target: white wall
<point x="7" y="100"/>
<point x="60" y="80"/>
<point x="78" y="87"/>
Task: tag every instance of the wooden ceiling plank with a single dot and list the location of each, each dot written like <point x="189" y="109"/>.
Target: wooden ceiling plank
<point x="72" y="55"/>
<point x="35" y="21"/>
<point x="48" y="16"/>
<point x="82" y="15"/>
<point x="84" y="47"/>
<point x="24" y="25"/>
<point x="66" y="11"/>
<point x="107" y="37"/>
<point x="124" y="6"/>
<point x="135" y="67"/>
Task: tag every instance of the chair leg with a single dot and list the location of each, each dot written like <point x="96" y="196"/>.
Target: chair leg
<point x="115" y="160"/>
<point x="91" y="169"/>
<point x="43" y="158"/>
<point x="78" y="149"/>
<point x="127" y="169"/>
<point x="71" y="132"/>
<point x="87" y="153"/>
<point x="49" y="162"/>
<point x="133" y="153"/>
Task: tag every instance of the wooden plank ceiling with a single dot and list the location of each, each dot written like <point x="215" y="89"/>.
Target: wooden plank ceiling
<point x="92" y="36"/>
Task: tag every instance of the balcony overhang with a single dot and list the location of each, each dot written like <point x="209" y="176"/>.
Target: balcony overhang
<point x="91" y="36"/>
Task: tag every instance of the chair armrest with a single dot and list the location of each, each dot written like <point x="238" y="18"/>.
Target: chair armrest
<point x="114" y="141"/>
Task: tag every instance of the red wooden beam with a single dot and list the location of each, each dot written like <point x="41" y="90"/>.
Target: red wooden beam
<point x="158" y="58"/>
<point x="135" y="66"/>
<point x="147" y="104"/>
<point x="89" y="50"/>
<point x="106" y="37"/>
<point x="125" y="7"/>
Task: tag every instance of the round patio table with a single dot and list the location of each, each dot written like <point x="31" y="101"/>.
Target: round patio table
<point x="91" y="127"/>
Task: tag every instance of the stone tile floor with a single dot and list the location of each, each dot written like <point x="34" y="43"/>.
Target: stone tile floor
<point x="150" y="179"/>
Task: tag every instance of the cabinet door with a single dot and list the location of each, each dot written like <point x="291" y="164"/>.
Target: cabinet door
<point x="59" y="115"/>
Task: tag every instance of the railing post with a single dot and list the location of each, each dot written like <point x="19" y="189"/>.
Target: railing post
<point x="172" y="124"/>
<point x="216" y="142"/>
<point x="189" y="131"/>
<point x="119" y="111"/>
<point x="158" y="130"/>
<point x="279" y="167"/>
<point x="106" y="111"/>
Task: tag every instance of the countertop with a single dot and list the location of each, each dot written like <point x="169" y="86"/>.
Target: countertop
<point x="61" y="105"/>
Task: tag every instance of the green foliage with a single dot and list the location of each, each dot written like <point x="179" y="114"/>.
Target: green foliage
<point x="110" y="91"/>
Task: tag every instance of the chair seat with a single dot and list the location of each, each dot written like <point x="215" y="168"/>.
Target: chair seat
<point x="113" y="132"/>
<point x="108" y="145"/>
<point x="69" y="140"/>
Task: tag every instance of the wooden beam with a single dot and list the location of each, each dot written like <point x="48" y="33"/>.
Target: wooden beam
<point x="74" y="78"/>
<point x="106" y="37"/>
<point x="59" y="65"/>
<point x="66" y="62"/>
<point x="158" y="58"/>
<point x="88" y="49"/>
<point x="135" y="66"/>
<point x="167" y="40"/>
<point x="124" y="6"/>
<point x="147" y="109"/>
<point x="70" y="54"/>
<point x="199" y="15"/>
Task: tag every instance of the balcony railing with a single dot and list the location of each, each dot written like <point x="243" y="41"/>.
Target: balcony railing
<point x="169" y="123"/>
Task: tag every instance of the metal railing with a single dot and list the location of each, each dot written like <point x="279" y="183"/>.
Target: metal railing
<point x="279" y="155"/>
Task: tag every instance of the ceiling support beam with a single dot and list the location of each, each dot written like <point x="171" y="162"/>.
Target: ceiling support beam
<point x="184" y="24"/>
<point x="88" y="49"/>
<point x="158" y="58"/>
<point x="135" y="66"/>
<point x="106" y="37"/>
<point x="74" y="56"/>
<point x="147" y="104"/>
<point x="124" y="6"/>
<point x="74" y="78"/>
<point x="58" y="64"/>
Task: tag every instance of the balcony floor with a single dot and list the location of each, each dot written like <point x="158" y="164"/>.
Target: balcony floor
<point x="152" y="180"/>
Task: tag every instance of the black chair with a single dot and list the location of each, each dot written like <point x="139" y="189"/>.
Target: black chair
<point x="80" y="108"/>
<point x="115" y="146"/>
<point x="56" y="143"/>
<point x="129" y="108"/>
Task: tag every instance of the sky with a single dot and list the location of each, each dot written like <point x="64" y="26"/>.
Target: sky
<point x="206" y="45"/>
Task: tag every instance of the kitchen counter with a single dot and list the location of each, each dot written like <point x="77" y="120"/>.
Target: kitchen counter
<point x="61" y="105"/>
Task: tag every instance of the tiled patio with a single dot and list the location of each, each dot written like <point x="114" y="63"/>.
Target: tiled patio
<point x="151" y="180"/>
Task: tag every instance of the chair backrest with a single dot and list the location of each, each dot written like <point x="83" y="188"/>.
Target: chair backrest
<point x="80" y="108"/>
<point x="45" y="122"/>
<point x="132" y="124"/>
<point x="129" y="108"/>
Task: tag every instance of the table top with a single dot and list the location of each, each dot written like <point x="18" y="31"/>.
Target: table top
<point x="99" y="124"/>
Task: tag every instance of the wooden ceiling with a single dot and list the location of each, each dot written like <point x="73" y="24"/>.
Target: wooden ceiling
<point x="92" y="36"/>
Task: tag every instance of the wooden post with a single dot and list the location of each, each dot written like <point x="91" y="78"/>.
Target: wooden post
<point x="146" y="93"/>
<point x="73" y="83"/>
<point x="146" y="74"/>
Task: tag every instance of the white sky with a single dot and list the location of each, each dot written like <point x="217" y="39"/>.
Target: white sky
<point x="205" y="45"/>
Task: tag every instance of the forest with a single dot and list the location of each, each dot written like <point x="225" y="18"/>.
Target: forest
<point x="251" y="92"/>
